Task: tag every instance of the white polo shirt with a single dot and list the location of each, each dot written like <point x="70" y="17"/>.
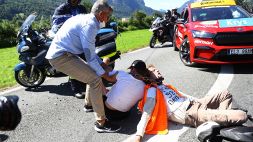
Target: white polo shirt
<point x="126" y="92"/>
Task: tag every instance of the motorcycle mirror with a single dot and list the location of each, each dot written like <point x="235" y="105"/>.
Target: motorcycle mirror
<point x="113" y="24"/>
<point x="180" y="21"/>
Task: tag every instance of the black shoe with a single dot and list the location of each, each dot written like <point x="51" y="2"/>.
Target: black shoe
<point x="107" y="127"/>
<point x="87" y="108"/>
<point x="79" y="95"/>
<point x="250" y="118"/>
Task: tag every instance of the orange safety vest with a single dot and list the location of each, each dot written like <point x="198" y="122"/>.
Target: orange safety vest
<point x="158" y="123"/>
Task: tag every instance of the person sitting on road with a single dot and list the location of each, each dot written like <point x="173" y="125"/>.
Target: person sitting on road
<point x="125" y="93"/>
<point x="164" y="102"/>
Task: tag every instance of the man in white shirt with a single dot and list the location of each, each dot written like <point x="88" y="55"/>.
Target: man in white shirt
<point x="125" y="93"/>
<point x="77" y="36"/>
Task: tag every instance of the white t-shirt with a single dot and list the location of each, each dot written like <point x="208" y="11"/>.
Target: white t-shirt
<point x="176" y="105"/>
<point x="126" y="92"/>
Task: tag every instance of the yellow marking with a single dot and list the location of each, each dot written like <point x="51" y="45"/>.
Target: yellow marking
<point x="209" y="3"/>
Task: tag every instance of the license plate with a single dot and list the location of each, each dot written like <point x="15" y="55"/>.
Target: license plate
<point x="240" y="51"/>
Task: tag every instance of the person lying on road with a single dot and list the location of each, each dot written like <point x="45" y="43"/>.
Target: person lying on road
<point x="164" y="102"/>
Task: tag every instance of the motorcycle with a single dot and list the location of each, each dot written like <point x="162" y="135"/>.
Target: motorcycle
<point x="33" y="46"/>
<point x="162" y="31"/>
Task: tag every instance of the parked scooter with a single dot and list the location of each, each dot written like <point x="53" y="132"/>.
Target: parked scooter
<point x="33" y="46"/>
<point x="162" y="31"/>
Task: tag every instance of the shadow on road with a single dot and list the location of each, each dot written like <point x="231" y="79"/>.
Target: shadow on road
<point x="128" y="125"/>
<point x="238" y="68"/>
<point x="63" y="89"/>
<point x="243" y="68"/>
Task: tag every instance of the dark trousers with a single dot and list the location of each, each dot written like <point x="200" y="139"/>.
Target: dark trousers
<point x="114" y="115"/>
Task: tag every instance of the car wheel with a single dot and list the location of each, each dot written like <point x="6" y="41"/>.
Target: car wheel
<point x="174" y="41"/>
<point x="184" y="53"/>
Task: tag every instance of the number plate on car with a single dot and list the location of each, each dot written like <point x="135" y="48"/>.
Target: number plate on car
<point x="244" y="51"/>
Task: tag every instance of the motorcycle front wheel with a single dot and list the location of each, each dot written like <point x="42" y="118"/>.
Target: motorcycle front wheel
<point x="153" y="41"/>
<point x="26" y="79"/>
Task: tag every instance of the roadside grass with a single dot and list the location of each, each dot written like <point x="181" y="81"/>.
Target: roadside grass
<point x="126" y="41"/>
<point x="9" y="60"/>
<point x="132" y="40"/>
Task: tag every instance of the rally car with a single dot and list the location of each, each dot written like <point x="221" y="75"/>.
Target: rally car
<point x="215" y="32"/>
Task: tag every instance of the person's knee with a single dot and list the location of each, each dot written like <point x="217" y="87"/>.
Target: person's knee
<point x="241" y="116"/>
<point x="95" y="81"/>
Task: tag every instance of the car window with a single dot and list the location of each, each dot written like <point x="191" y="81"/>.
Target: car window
<point x="185" y="15"/>
<point x="216" y="13"/>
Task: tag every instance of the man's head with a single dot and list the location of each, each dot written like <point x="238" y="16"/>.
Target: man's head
<point x="74" y="2"/>
<point x="155" y="74"/>
<point x="102" y="10"/>
<point x="138" y="67"/>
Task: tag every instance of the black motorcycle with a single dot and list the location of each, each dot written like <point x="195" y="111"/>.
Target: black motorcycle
<point x="162" y="31"/>
<point x="33" y="46"/>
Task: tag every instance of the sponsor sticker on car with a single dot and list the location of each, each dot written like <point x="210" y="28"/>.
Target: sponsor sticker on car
<point x="208" y="3"/>
<point x="236" y="22"/>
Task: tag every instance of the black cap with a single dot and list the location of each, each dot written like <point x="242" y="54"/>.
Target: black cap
<point x="140" y="68"/>
<point x="138" y="64"/>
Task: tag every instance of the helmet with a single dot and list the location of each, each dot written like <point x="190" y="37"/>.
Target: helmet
<point x="10" y="114"/>
<point x="168" y="12"/>
<point x="207" y="131"/>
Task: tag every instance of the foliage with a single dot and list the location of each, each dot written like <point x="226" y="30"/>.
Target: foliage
<point x="7" y="33"/>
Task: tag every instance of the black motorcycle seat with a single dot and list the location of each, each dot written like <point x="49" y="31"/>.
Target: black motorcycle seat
<point x="105" y="38"/>
<point x="106" y="49"/>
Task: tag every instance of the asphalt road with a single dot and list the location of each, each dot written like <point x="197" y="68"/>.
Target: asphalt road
<point x="52" y="114"/>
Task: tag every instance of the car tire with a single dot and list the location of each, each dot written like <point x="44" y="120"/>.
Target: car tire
<point x="174" y="40"/>
<point x="184" y="53"/>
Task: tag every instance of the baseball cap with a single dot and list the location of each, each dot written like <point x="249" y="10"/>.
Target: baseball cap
<point x="138" y="64"/>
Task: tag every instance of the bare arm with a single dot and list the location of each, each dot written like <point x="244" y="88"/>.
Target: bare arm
<point x="147" y="110"/>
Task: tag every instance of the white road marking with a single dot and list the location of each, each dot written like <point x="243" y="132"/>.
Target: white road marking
<point x="15" y="89"/>
<point x="176" y="130"/>
<point x="224" y="79"/>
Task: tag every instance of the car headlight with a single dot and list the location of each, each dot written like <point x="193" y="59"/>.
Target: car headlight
<point x="202" y="34"/>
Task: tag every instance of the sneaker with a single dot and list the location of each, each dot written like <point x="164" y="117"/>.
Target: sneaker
<point x="79" y="95"/>
<point x="87" y="108"/>
<point x="107" y="127"/>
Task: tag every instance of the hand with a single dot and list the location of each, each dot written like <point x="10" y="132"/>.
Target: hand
<point x="106" y="67"/>
<point x="133" y="138"/>
<point x="136" y="138"/>
<point x="111" y="78"/>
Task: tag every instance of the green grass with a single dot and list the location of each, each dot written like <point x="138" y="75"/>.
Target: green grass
<point x="9" y="57"/>
<point x="132" y="40"/>
<point x="126" y="41"/>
